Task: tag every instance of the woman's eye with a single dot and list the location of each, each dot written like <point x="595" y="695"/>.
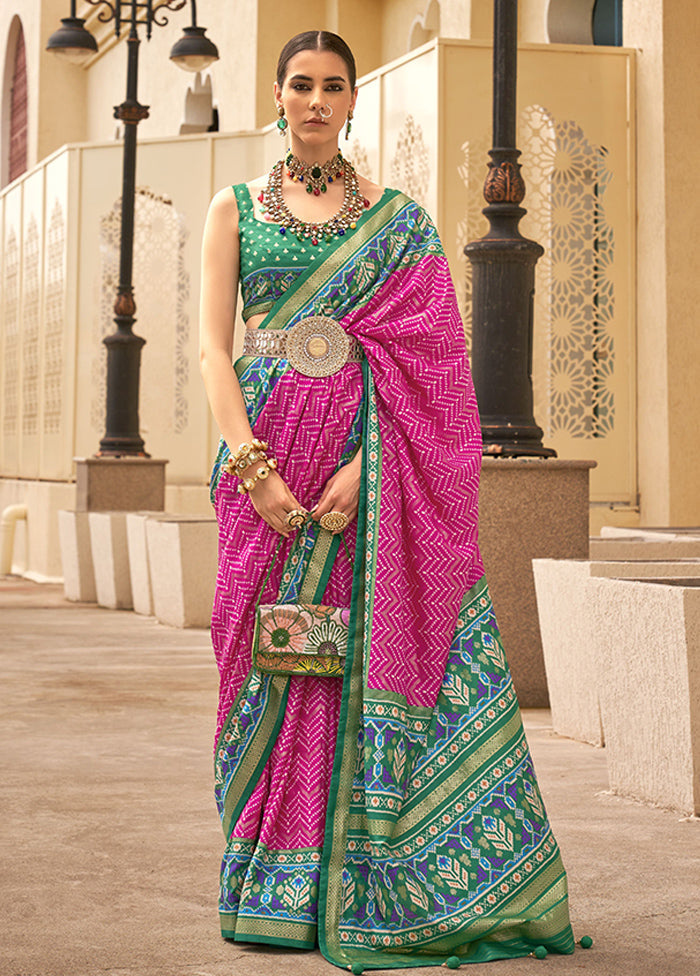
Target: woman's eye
<point x="300" y="86"/>
<point x="334" y="88"/>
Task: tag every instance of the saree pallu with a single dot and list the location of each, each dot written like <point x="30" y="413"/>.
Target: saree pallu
<point x="392" y="815"/>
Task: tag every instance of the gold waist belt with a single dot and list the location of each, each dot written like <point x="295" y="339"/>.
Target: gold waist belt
<point x="317" y="346"/>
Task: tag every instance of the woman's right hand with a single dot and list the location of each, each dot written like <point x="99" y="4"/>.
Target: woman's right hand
<point x="273" y="501"/>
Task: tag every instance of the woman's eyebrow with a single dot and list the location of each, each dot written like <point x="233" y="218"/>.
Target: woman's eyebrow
<point x="307" y="78"/>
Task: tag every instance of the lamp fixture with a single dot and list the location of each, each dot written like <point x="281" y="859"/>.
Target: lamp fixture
<point x="72" y="42"/>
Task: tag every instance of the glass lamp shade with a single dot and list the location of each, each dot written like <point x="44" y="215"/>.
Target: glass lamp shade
<point x="194" y="51"/>
<point x="72" y="42"/>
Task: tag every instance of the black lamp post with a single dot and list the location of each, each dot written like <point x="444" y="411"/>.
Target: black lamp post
<point x="193" y="52"/>
<point x="503" y="270"/>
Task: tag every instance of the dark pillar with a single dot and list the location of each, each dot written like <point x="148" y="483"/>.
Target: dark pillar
<point x="123" y="347"/>
<point x="503" y="273"/>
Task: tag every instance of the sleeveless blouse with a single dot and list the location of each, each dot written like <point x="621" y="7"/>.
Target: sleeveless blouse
<point x="269" y="261"/>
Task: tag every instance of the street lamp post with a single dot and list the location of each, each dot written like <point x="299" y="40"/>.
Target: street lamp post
<point x="503" y="273"/>
<point x="192" y="52"/>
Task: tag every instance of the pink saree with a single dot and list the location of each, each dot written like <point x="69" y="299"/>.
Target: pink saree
<point x="393" y="815"/>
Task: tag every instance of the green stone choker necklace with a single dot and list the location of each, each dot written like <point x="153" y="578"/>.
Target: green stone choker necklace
<point x="276" y="210"/>
<point x="315" y="175"/>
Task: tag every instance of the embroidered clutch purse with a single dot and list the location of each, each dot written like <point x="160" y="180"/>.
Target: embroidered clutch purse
<point x="300" y="638"/>
<point x="306" y="637"/>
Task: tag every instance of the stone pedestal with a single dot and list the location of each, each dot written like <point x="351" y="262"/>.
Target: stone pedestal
<point x="530" y="508"/>
<point x="123" y="484"/>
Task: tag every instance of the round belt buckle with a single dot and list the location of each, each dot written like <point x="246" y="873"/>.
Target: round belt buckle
<point x="317" y="346"/>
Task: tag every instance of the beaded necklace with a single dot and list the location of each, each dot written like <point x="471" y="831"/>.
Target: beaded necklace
<point x="277" y="211"/>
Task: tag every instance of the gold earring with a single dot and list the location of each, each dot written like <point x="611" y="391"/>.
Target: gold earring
<point x="281" y="121"/>
<point x="348" y="127"/>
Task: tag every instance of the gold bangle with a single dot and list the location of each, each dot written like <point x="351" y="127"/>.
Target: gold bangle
<point x="263" y="472"/>
<point x="248" y="454"/>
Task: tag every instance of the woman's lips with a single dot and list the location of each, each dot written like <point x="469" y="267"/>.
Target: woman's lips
<point x="315" y="122"/>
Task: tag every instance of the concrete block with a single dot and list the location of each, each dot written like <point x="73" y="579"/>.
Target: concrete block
<point x="139" y="569"/>
<point x="530" y="508"/>
<point x="110" y="557"/>
<point x="567" y="645"/>
<point x="569" y="640"/>
<point x="644" y="548"/>
<point x="182" y="554"/>
<point x="647" y="648"/>
<point x="76" y="556"/>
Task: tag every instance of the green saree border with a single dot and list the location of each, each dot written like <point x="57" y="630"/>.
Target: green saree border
<point x="320" y="567"/>
<point x="295" y="935"/>
<point x="257" y="752"/>
<point x="313" y="279"/>
<point x="336" y="816"/>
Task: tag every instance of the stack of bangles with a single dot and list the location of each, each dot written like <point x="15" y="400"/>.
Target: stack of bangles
<point x="245" y="456"/>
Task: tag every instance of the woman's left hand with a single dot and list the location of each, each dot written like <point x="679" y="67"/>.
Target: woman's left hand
<point x="342" y="491"/>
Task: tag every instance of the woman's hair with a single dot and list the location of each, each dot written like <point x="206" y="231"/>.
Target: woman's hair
<point x="316" y="41"/>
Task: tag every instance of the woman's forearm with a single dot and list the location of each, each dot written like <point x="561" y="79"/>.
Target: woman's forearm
<point x="225" y="397"/>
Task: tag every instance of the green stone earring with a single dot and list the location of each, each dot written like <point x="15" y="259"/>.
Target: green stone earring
<point x="281" y="121"/>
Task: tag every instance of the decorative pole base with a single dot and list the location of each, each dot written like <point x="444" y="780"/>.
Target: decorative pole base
<point x="122" y="435"/>
<point x="503" y="284"/>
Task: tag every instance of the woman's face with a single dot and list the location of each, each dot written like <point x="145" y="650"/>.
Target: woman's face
<point x="316" y="80"/>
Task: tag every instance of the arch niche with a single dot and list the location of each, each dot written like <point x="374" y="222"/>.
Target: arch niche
<point x="15" y="117"/>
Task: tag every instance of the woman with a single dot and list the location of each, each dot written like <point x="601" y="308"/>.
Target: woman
<point x="391" y="814"/>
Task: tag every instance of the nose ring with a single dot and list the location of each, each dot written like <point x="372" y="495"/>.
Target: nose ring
<point x="326" y="115"/>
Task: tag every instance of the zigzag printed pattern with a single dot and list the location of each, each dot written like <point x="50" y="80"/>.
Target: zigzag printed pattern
<point x="426" y="510"/>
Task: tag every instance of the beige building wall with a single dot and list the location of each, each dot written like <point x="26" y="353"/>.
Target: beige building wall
<point x="666" y="36"/>
<point x="72" y="104"/>
<point x="55" y="96"/>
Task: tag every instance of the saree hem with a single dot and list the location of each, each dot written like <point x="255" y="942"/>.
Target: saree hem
<point x="261" y="939"/>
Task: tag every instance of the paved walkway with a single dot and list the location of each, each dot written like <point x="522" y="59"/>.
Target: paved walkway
<point x="110" y="840"/>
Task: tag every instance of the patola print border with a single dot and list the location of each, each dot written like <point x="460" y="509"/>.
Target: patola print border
<point x="367" y="824"/>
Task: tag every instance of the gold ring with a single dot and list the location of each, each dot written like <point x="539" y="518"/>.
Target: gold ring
<point x="296" y="518"/>
<point x="334" y="521"/>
